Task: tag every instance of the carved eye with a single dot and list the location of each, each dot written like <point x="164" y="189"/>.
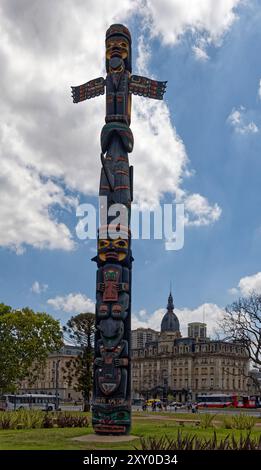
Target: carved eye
<point x="121" y="244"/>
<point x="103" y="244"/>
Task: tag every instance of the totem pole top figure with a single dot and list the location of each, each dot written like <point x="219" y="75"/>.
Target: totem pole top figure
<point x="119" y="78"/>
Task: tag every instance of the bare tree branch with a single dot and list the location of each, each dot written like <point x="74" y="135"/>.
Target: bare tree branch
<point x="242" y="323"/>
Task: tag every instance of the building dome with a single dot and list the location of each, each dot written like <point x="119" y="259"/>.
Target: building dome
<point x="170" y="320"/>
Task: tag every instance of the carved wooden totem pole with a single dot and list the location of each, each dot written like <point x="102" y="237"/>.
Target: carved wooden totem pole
<point x="112" y="371"/>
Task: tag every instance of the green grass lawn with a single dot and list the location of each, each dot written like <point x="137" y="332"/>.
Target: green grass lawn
<point x="61" y="439"/>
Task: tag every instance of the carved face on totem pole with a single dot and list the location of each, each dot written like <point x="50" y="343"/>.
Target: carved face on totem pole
<point x="114" y="250"/>
<point x="112" y="332"/>
<point x="118" y="49"/>
<point x="118" y="415"/>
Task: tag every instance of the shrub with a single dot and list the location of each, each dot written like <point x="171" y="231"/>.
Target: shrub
<point x="5" y="420"/>
<point x="30" y="419"/>
<point x="228" y="422"/>
<point x="192" y="442"/>
<point x="67" y="420"/>
<point x="48" y="421"/>
<point x="243" y="421"/>
<point x="27" y="419"/>
<point x="206" y="420"/>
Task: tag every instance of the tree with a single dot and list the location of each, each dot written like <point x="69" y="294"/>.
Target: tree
<point x="80" y="331"/>
<point x="242" y="323"/>
<point x="26" y="339"/>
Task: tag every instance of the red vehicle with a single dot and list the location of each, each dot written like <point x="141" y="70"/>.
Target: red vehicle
<point x="225" y="401"/>
<point x="247" y="402"/>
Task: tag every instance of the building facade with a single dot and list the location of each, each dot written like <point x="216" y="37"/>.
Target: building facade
<point x="141" y="336"/>
<point x="51" y="377"/>
<point x="186" y="367"/>
<point x="197" y="330"/>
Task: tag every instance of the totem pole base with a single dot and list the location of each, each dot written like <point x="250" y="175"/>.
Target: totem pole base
<point x="111" y="430"/>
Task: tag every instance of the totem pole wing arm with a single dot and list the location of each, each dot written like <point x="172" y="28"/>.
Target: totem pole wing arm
<point x="88" y="90"/>
<point x="144" y="86"/>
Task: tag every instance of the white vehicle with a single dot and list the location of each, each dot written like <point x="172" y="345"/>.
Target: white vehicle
<point x="30" y="401"/>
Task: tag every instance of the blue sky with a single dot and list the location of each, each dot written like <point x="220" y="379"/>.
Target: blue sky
<point x="203" y="143"/>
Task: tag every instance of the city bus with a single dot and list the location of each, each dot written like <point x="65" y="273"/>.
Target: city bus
<point x="245" y="401"/>
<point x="29" y="401"/>
<point x="225" y="401"/>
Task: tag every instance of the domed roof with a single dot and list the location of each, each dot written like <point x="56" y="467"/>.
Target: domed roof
<point x="170" y="320"/>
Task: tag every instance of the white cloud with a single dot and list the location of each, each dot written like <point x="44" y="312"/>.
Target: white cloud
<point x="143" y="319"/>
<point x="38" y="288"/>
<point x="198" y="211"/>
<point x="72" y="303"/>
<point x="170" y="19"/>
<point x="248" y="284"/>
<point x="153" y="130"/>
<point x="46" y="140"/>
<point x="26" y="216"/>
<point x="239" y="121"/>
<point x="200" y="53"/>
<point x="155" y="135"/>
<point x="209" y="313"/>
<point x="233" y="291"/>
<point x="144" y="55"/>
<point x="251" y="128"/>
